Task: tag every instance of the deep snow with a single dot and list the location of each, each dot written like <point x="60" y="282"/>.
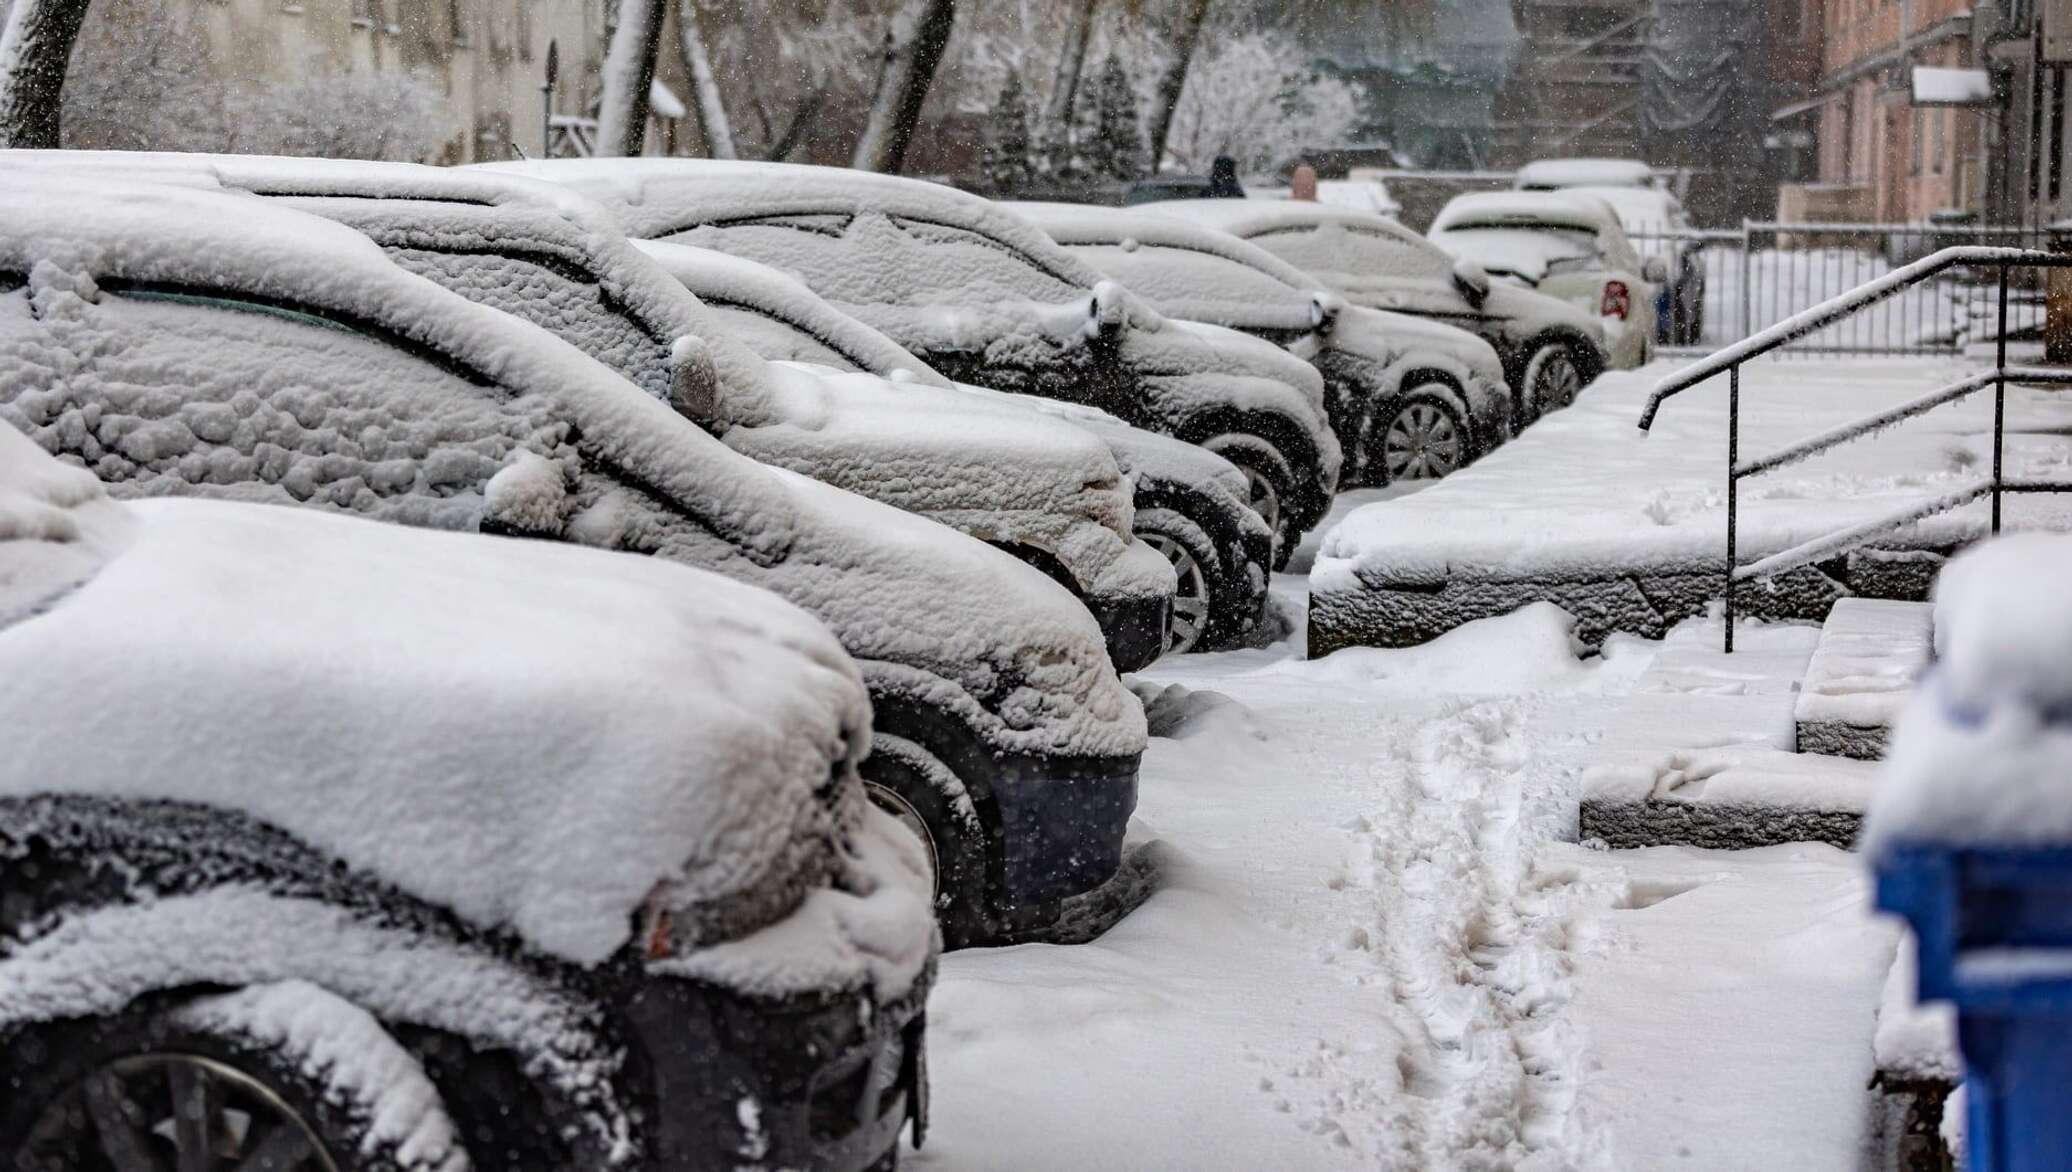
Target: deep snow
<point x="1377" y="950"/>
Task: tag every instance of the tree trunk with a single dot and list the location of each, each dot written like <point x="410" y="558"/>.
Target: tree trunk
<point x="1057" y="114"/>
<point x="629" y="69"/>
<point x="706" y="102"/>
<point x="904" y="75"/>
<point x="35" y="49"/>
<point x="1175" y="79"/>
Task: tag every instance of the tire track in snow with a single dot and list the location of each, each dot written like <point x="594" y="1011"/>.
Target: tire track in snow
<point x="1472" y="943"/>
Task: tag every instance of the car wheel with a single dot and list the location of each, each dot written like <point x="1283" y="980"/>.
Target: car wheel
<point x="1267" y="480"/>
<point x="1199" y="599"/>
<point x="1553" y="378"/>
<point x="147" y="1090"/>
<point x="1423" y="439"/>
<point x="908" y="782"/>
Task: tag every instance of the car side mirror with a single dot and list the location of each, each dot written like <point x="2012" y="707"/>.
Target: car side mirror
<point x="694" y="382"/>
<point x="1324" y="309"/>
<point x="1472" y="280"/>
<point x="1654" y="270"/>
<point x="1107" y="310"/>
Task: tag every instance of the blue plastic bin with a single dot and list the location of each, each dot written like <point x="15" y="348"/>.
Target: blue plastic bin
<point x="1995" y="932"/>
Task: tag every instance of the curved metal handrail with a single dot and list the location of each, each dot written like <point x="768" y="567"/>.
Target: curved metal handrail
<point x="1834" y="309"/>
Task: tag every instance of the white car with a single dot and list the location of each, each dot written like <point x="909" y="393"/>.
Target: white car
<point x="180" y="341"/>
<point x="1559" y="174"/>
<point x="1655" y="222"/>
<point x="1564" y="245"/>
<point x="1410" y="399"/>
<point x="1190" y="502"/>
<point x="334" y="844"/>
<point x="1038" y="488"/>
<point x="986" y="298"/>
<point x="1551" y="350"/>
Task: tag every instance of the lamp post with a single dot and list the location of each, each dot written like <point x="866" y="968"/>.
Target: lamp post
<point x="547" y="101"/>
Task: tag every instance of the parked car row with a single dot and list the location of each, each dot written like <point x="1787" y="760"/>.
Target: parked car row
<point x="331" y="737"/>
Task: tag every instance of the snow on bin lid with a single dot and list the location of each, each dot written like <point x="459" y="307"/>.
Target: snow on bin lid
<point x="1983" y="751"/>
<point x="535" y="735"/>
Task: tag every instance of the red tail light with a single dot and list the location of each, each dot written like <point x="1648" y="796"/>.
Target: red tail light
<point x="1618" y="300"/>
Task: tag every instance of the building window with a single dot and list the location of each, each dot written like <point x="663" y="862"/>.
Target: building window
<point x="1940" y="144"/>
<point x="1920" y="136"/>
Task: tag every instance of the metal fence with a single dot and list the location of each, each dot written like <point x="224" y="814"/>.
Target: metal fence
<point x="1737" y="282"/>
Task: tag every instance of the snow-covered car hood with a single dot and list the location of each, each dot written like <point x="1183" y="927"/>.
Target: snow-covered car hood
<point x="555" y="443"/>
<point x="535" y="735"/>
<point x="1401" y="338"/>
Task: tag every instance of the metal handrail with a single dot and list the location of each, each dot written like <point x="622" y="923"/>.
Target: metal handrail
<point x="1730" y="360"/>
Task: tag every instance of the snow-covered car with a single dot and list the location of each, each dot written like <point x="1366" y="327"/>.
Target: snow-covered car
<point x="1566" y="246"/>
<point x="329" y="844"/>
<point x="1189" y="502"/>
<point x="1655" y="221"/>
<point x="1038" y="488"/>
<point x="179" y="341"/>
<point x="1410" y="399"/>
<point x="986" y="298"/>
<point x="1551" y="350"/>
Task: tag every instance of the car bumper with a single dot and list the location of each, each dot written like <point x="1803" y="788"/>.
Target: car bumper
<point x="1064" y="823"/>
<point x="1134" y="627"/>
<point x="822" y="1083"/>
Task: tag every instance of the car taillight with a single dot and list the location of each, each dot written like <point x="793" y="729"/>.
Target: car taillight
<point x="1618" y="300"/>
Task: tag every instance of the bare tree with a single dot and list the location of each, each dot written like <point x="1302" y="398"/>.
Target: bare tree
<point x="1079" y="26"/>
<point x="629" y="69"/>
<point x="913" y="48"/>
<point x="1186" y="37"/>
<point x="706" y="101"/>
<point x="35" y="49"/>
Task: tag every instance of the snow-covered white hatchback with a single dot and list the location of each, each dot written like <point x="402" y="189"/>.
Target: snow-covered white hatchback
<point x="1410" y="399"/>
<point x="1038" y="488"/>
<point x="1551" y="350"/>
<point x="1566" y="246"/>
<point x="180" y="341"/>
<point x="1189" y="502"/>
<point x="328" y="844"/>
<point x="986" y="298"/>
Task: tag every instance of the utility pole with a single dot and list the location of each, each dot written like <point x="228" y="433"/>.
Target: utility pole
<point x="547" y="101"/>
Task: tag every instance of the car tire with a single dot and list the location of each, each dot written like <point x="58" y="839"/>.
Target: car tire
<point x="1206" y="606"/>
<point x="1422" y="438"/>
<point x="908" y="782"/>
<point x="1553" y="377"/>
<point x="1271" y="482"/>
<point x="100" y="1092"/>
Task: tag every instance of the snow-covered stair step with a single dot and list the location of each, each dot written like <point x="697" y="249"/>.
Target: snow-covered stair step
<point x="1869" y="655"/>
<point x="1736" y="797"/>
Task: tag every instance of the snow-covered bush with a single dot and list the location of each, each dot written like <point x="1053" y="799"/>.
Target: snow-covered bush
<point x="143" y="77"/>
<point x="1258" y="99"/>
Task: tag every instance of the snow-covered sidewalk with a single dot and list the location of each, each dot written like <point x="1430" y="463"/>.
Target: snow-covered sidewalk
<point x="1381" y="948"/>
<point x="1628" y="529"/>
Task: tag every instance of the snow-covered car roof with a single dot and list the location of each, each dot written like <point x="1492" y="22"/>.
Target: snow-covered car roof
<point x="535" y="735"/>
<point x="1549" y="174"/>
<point x="1641" y="210"/>
<point x="1073" y="224"/>
<point x="659" y="197"/>
<point x="453" y="208"/>
<point x="1370" y="195"/>
<point x="721" y="278"/>
<point x="898" y="589"/>
<point x="1247" y="218"/>
<point x="1553" y="209"/>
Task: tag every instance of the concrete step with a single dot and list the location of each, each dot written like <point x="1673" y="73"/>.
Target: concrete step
<point x="1737" y="797"/>
<point x="1870" y="653"/>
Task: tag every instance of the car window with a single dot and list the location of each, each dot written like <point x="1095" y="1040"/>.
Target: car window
<point x="555" y="295"/>
<point x="1334" y="247"/>
<point x="174" y="391"/>
<point x="774" y="340"/>
<point x="878" y="260"/>
<point x="1182" y="276"/>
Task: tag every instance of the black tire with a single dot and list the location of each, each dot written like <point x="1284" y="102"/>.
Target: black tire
<point x="1554" y="376"/>
<point x="908" y="782"/>
<point x="1272" y="487"/>
<point x="82" y="1091"/>
<point x="1423" y="437"/>
<point x="1208" y="608"/>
